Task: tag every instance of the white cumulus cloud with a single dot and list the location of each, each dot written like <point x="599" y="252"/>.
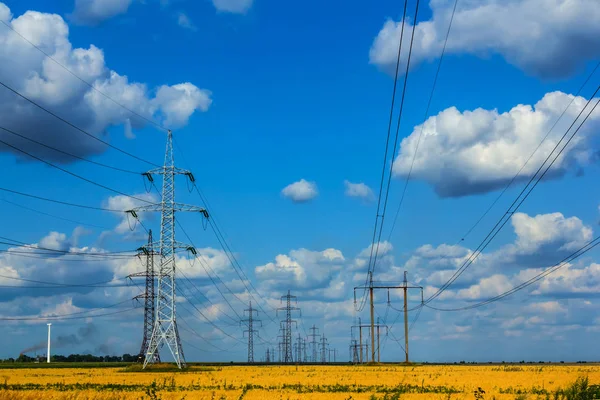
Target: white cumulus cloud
<point x="564" y="33"/>
<point x="463" y="153"/>
<point x="301" y="191"/>
<point x="185" y="22"/>
<point x="92" y="12"/>
<point x="358" y="190"/>
<point x="53" y="87"/>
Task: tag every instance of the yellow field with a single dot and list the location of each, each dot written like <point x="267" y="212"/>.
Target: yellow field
<point x="302" y="382"/>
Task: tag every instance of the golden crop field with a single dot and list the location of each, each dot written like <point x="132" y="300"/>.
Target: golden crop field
<point x="305" y="382"/>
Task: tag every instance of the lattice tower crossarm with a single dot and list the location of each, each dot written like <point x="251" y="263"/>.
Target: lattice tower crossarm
<point x="165" y="329"/>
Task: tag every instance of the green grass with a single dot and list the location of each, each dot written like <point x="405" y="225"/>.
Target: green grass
<point x="19" y="365"/>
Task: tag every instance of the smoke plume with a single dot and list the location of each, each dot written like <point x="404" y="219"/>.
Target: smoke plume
<point x="84" y="335"/>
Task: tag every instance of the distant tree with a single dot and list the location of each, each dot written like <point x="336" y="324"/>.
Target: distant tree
<point x="24" y="358"/>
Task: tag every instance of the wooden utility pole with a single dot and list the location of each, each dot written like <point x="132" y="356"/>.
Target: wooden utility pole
<point x="371" y="288"/>
<point x="366" y="343"/>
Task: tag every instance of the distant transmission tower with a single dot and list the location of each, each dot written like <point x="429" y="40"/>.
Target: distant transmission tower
<point x="286" y="326"/>
<point x="268" y="356"/>
<point x="251" y="331"/>
<point x="149" y="296"/>
<point x="314" y="343"/>
<point x="323" y="349"/>
<point x="298" y="346"/>
<point x="354" y="351"/>
<point x="165" y="323"/>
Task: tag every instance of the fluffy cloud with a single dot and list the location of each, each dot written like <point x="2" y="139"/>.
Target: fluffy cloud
<point x="358" y="190"/>
<point x="233" y="6"/>
<point x="185" y="22"/>
<point x="541" y="241"/>
<point x="565" y="35"/>
<point x="92" y="12"/>
<point x="55" y="241"/>
<point x="481" y="150"/>
<point x="534" y="232"/>
<point x="301" y="268"/>
<point x="47" y="83"/>
<point x="127" y="222"/>
<point x="301" y="191"/>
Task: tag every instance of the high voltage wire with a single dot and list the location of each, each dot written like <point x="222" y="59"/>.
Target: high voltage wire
<point x="65" y="285"/>
<point x="69" y="154"/>
<point x="226" y="248"/>
<point x="206" y="266"/>
<point x="68" y="315"/>
<point x="518" y="200"/>
<point x="72" y="173"/>
<point x="530" y="156"/>
<point x="375" y="243"/>
<point x="385" y="154"/>
<point x="65" y="318"/>
<point x="52" y="215"/>
<point x="76" y="127"/>
<point x="208" y="320"/>
<point x="83" y="80"/>
<point x="17" y="243"/>
<point x="437" y="73"/>
<point x="66" y="203"/>
<point x="180" y="271"/>
<point x="573" y="256"/>
<point x="231" y="256"/>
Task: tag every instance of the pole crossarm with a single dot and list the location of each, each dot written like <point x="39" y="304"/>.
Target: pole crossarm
<point x="176" y="207"/>
<point x="371" y="287"/>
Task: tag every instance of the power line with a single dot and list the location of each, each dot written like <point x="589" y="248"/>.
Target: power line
<point x="59" y="201"/>
<point x="519" y="199"/>
<point x="195" y="287"/>
<point x="63" y="318"/>
<point x="17" y="243"/>
<point x="226" y="248"/>
<point x="83" y="80"/>
<point x="52" y="215"/>
<point x="60" y="316"/>
<point x="65" y="285"/>
<point x="231" y="256"/>
<point x="530" y="156"/>
<point x="573" y="256"/>
<point x="437" y="73"/>
<point x="72" y="173"/>
<point x="385" y="155"/>
<point x="208" y="319"/>
<point x="76" y="127"/>
<point x="69" y="154"/>
<point x="387" y="191"/>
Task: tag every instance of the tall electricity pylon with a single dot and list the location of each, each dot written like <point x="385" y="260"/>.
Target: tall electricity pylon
<point x="298" y="348"/>
<point x="251" y="331"/>
<point x="323" y="349"/>
<point x="165" y="323"/>
<point x="149" y="295"/>
<point x="286" y="326"/>
<point x="314" y="343"/>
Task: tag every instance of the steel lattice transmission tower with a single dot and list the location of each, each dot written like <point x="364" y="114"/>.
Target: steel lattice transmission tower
<point x="149" y="295"/>
<point x="251" y="331"/>
<point x="314" y="343"/>
<point x="165" y="323"/>
<point x="323" y="349"/>
<point x="286" y="326"/>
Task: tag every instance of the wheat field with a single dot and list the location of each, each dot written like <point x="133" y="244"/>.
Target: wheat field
<point x="303" y="382"/>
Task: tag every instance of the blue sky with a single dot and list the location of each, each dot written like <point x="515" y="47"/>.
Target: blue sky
<point x="266" y="95"/>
